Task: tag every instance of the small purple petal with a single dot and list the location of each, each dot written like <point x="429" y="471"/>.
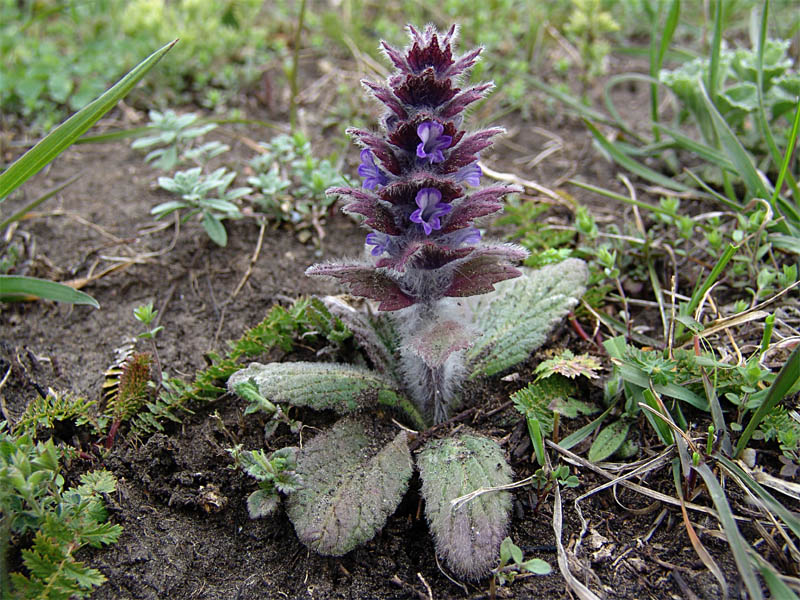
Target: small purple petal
<point x="433" y="141"/>
<point x="468" y="235"/>
<point x="430" y="210"/>
<point x="381" y="242"/>
<point x="373" y="176"/>
<point x="471" y="174"/>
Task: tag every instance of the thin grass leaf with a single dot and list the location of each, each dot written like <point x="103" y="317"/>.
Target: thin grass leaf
<point x="20" y="214"/>
<point x="733" y="205"/>
<point x="576" y="437"/>
<point x="786" y="379"/>
<point x="638" y="377"/>
<point x="788" y="517"/>
<point x="720" y="428"/>
<point x="784" y="172"/>
<point x="574" y="103"/>
<point x="700" y="292"/>
<point x="70" y="130"/>
<point x="766" y="132"/>
<point x="735" y="151"/>
<point x="633" y="166"/>
<point x="535" y="431"/>
<point x="777" y="588"/>
<point x="619" y="197"/>
<point x="613" y="82"/>
<point x="114" y="136"/>
<point x="662" y="429"/>
<point x="701" y="551"/>
<point x="736" y="541"/>
<point x="616" y="79"/>
<point x="704" y="151"/>
<point x="16" y="287"/>
<point x="657" y="55"/>
<point x="716" y="49"/>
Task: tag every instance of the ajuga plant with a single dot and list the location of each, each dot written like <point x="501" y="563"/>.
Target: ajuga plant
<point x="439" y="322"/>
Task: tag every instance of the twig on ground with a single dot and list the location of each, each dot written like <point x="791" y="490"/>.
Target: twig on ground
<point x="2" y="398"/>
<point x="427" y="587"/>
<point x="531" y="185"/>
<point x="253" y="260"/>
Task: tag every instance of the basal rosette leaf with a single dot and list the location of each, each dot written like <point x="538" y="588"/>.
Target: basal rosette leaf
<point x="467" y="536"/>
<point x="321" y="386"/>
<point x="351" y="484"/>
<point x="341" y="388"/>
<point x="517" y="318"/>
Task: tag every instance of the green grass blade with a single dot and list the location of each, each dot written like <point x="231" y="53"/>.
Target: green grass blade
<point x="576" y="437"/>
<point x="713" y="193"/>
<point x="70" y="130"/>
<point x="619" y="197"/>
<point x="637" y="376"/>
<point x="735" y="151"/>
<point x="766" y="132"/>
<point x="737" y="543"/>
<point x="787" y="377"/>
<point x="634" y="167"/>
<point x="16" y="287"/>
<point x="658" y="424"/>
<point x="535" y="432"/>
<point x="784" y="172"/>
<point x="614" y="81"/>
<point x="46" y="196"/>
<point x="716" y="49"/>
<point x="114" y="136"/>
<point x="575" y="104"/>
<point x="698" y="294"/>
<point x="704" y="151"/>
<point x="788" y="517"/>
<point x="657" y="55"/>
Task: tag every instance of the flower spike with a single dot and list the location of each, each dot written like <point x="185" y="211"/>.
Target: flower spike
<point x="417" y="173"/>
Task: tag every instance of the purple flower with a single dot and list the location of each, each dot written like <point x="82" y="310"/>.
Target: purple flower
<point x="430" y="209"/>
<point x="373" y="176"/>
<point x="381" y="241"/>
<point x="468" y="235"/>
<point x="471" y="174"/>
<point x="433" y="142"/>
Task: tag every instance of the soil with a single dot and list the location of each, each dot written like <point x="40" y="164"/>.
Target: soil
<point x="187" y="534"/>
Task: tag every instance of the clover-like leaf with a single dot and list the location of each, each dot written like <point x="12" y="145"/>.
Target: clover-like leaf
<point x="351" y="484"/>
<point x="520" y="315"/>
<point x="467" y="535"/>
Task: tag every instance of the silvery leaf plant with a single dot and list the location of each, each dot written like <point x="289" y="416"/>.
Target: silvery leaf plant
<point x="445" y="315"/>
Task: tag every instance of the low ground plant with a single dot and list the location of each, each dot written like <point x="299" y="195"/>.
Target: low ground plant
<point x="35" y="501"/>
<point x="427" y="263"/>
<point x="291" y="183"/>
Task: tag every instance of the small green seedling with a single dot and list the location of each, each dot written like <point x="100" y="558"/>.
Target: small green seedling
<point x="145" y="314"/>
<point x="175" y="133"/>
<point x="205" y="195"/>
<point x="512" y="565"/>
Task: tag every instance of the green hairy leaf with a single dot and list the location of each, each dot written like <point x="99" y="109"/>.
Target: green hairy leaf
<point x="321" y="386"/>
<point x="518" y="316"/>
<point x="468" y="536"/>
<point x="537" y="400"/>
<point x="351" y="484"/>
<point x="609" y="440"/>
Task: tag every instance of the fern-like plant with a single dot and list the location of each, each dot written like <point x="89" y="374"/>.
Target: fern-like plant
<point x="420" y="198"/>
<point x="34" y="500"/>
